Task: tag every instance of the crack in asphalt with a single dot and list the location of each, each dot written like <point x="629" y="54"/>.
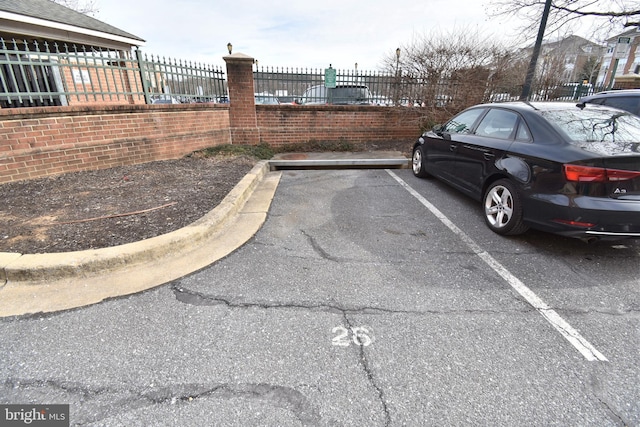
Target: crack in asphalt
<point x="278" y="396"/>
<point x="191" y="297"/>
<point x="607" y="312"/>
<point x="593" y="386"/>
<point x="615" y="415"/>
<point x="70" y="387"/>
<point x="318" y="249"/>
<point x="370" y="377"/>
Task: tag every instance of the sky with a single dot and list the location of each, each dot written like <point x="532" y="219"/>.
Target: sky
<point x="293" y="33"/>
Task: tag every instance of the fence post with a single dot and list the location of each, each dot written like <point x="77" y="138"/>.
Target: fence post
<point x="143" y="78"/>
<point x="242" y="109"/>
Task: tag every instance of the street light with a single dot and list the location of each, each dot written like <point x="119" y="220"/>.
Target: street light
<point x="528" y="80"/>
<point x="229" y="47"/>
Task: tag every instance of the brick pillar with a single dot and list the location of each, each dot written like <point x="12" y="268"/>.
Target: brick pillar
<point x="242" y="109"/>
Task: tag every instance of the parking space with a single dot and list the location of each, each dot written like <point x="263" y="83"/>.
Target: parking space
<point x="357" y="303"/>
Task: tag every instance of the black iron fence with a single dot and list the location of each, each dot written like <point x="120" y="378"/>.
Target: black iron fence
<point x="43" y="74"/>
<point x="334" y="86"/>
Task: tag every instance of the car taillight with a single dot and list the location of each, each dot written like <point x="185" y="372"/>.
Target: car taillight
<point x="577" y="173"/>
<point x="580" y="224"/>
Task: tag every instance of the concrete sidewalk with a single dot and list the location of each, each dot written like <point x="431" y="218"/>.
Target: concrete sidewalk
<point x="52" y="282"/>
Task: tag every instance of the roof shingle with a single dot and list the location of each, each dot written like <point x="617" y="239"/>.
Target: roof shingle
<point x="50" y="11"/>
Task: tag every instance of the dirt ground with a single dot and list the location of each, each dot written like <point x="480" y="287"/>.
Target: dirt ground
<point x="97" y="209"/>
<point x="110" y="207"/>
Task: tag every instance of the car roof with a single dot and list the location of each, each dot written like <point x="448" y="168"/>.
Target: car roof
<point x="535" y="108"/>
<point x="532" y="106"/>
<point x="611" y="94"/>
<point x="541" y="105"/>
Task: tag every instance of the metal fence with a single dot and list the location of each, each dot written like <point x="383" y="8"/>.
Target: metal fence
<point x="308" y="86"/>
<point x="45" y="74"/>
<point x="395" y="88"/>
<point x="171" y="81"/>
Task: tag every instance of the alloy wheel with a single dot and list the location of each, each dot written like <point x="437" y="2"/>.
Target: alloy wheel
<point x="498" y="206"/>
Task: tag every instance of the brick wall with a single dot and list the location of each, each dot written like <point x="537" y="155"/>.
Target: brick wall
<point x="36" y="142"/>
<point x="291" y="124"/>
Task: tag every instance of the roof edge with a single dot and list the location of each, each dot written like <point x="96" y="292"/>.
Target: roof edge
<point x="70" y="28"/>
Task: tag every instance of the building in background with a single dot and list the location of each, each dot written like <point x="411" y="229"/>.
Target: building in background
<point x="49" y="49"/>
<point x="621" y="62"/>
<point x="572" y="59"/>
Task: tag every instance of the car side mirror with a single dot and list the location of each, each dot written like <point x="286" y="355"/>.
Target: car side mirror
<point x="438" y="129"/>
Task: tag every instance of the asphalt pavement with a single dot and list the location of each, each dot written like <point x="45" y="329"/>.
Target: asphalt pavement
<point x="353" y="304"/>
<point x="34" y="283"/>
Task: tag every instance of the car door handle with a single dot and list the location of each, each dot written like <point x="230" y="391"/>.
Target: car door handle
<point x="489" y="156"/>
<point x="453" y="147"/>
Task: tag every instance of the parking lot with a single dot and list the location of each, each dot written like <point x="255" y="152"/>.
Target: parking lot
<point x="368" y="298"/>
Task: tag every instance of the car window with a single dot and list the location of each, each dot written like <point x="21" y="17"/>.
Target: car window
<point x="523" y="133"/>
<point x="498" y="123"/>
<point x="463" y="122"/>
<point x="588" y="126"/>
<point x="627" y="103"/>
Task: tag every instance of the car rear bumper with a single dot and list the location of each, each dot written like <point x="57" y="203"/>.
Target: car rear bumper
<point x="584" y="217"/>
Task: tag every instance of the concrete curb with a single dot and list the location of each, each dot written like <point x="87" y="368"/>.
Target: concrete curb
<point x="49" y="282"/>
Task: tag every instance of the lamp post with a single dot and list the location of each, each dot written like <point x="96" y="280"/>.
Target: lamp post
<point x="396" y="94"/>
<point x="229" y="47"/>
<point x="526" y="87"/>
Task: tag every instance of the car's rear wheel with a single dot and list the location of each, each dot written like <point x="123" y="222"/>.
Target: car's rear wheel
<point x="417" y="162"/>
<point x="503" y="209"/>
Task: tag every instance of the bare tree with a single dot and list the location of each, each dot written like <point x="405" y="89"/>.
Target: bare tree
<point x="88" y="7"/>
<point x="450" y="71"/>
<point x="604" y="14"/>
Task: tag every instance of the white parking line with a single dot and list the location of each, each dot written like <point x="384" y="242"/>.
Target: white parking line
<point x="565" y="329"/>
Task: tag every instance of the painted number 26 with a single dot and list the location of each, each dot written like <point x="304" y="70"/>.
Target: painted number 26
<point x="359" y="336"/>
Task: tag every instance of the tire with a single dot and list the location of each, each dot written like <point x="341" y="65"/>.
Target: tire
<point x="503" y="209"/>
<point x="417" y="162"/>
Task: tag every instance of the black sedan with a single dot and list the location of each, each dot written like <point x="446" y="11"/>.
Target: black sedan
<point x="564" y="168"/>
